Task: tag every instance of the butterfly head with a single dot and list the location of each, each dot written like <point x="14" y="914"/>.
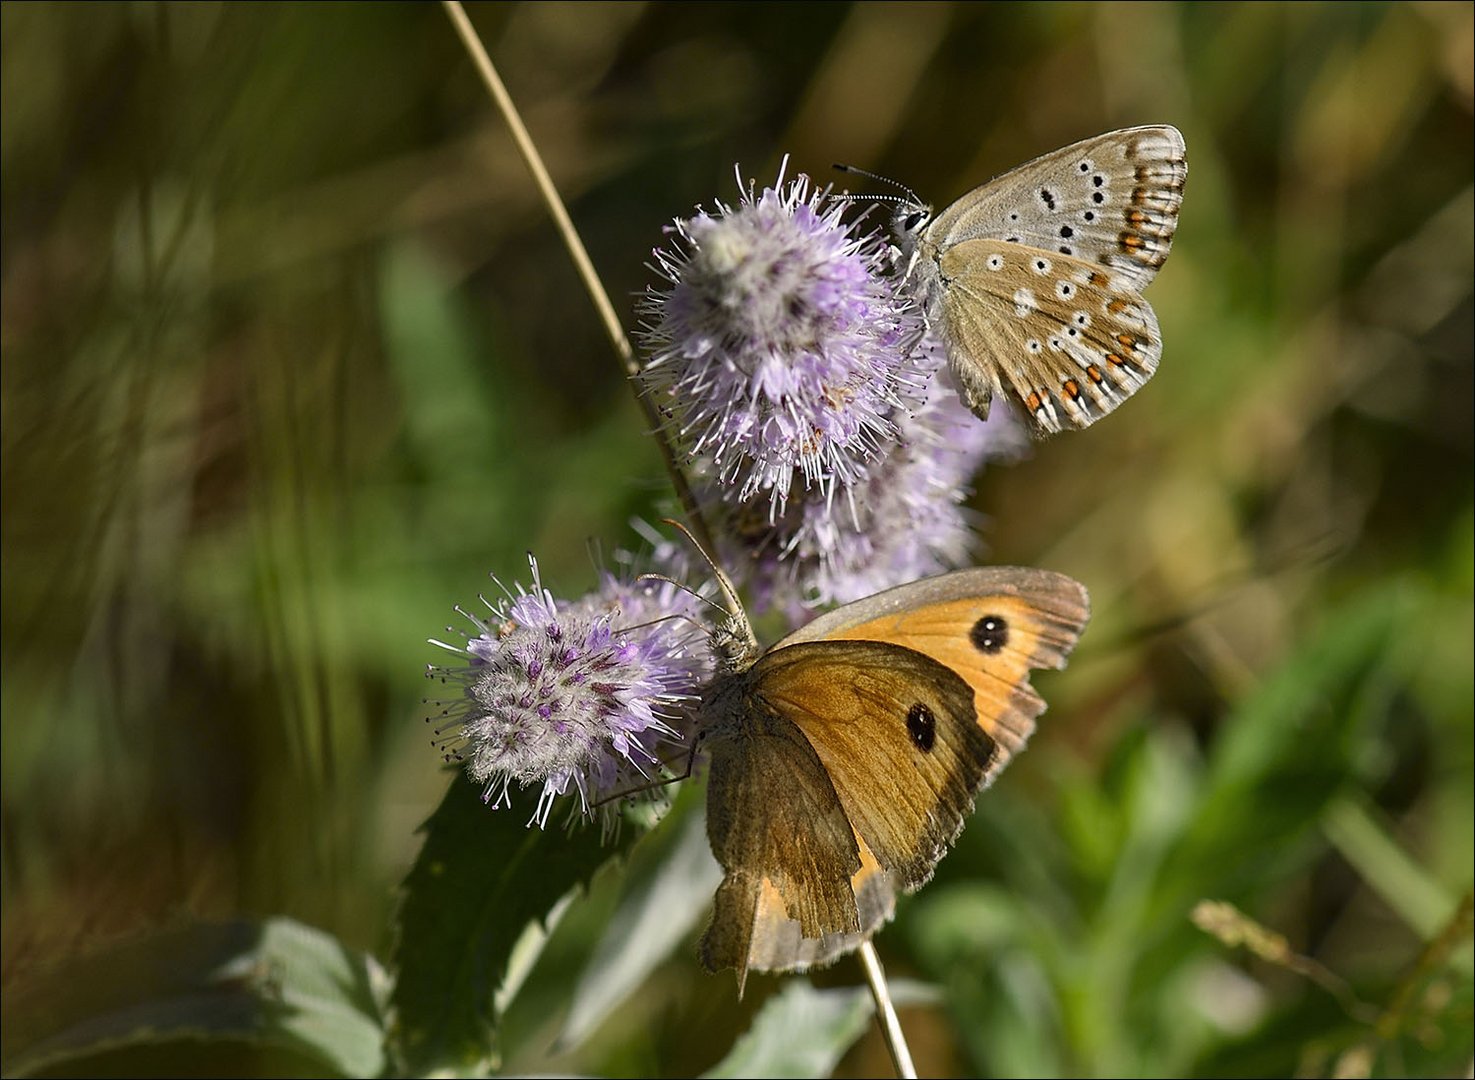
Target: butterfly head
<point x="910" y="216"/>
<point x="908" y="221"/>
<point x="734" y="644"/>
<point x="732" y="641"/>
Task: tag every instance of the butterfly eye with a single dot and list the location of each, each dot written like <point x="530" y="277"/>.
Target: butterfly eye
<point x="915" y="220"/>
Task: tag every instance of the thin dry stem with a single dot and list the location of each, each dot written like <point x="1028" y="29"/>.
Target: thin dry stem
<point x="875" y="976"/>
<point x="597" y="293"/>
<point x="886" y="1013"/>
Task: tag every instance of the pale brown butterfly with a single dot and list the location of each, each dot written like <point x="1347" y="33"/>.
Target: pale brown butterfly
<point x="1034" y="280"/>
<point x="845" y="759"/>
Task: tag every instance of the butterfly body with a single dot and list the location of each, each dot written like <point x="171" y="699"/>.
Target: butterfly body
<point x="1034" y="279"/>
<point x="845" y="760"/>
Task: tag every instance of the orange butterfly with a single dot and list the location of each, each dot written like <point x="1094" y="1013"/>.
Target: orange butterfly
<point x="845" y="760"/>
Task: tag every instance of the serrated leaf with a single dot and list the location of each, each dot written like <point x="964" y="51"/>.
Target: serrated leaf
<point x="278" y="983"/>
<point x="481" y="877"/>
<point x="655" y="914"/>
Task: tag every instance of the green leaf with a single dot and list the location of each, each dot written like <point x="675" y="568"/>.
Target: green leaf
<point x="1419" y="899"/>
<point x="804" y="1032"/>
<point x="656" y="913"/>
<point x="279" y="984"/>
<point x="996" y="947"/>
<point x="443" y="377"/>
<point x="800" y="1032"/>
<point x="481" y="878"/>
<point x="1301" y="735"/>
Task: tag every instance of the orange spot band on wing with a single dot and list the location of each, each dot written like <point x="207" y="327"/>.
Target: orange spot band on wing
<point x="1005" y="703"/>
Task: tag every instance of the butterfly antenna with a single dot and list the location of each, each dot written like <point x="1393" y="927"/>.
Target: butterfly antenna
<point x="734" y="644"/>
<point x="866" y="196"/>
<point x="910" y="194"/>
<point x="684" y="588"/>
<point x="653" y="622"/>
<point x="729" y="594"/>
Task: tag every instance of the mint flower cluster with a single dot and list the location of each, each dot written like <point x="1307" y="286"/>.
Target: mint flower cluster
<point x="828" y="445"/>
<point x="831" y="458"/>
<point x="779" y="350"/>
<point x="571" y="697"/>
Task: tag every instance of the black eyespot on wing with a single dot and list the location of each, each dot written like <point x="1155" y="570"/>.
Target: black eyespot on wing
<point x="1048" y="198"/>
<point x="922" y="727"/>
<point x="989" y="634"/>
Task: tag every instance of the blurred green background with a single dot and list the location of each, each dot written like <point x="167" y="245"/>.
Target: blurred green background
<point x="293" y="358"/>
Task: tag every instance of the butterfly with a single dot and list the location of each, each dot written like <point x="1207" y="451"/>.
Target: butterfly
<point x="1034" y="279"/>
<point x="845" y="759"/>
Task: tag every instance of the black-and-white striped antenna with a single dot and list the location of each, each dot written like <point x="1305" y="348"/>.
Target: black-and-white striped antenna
<point x="910" y="197"/>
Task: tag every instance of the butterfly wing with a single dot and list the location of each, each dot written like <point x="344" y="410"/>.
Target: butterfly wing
<point x="898" y="737"/>
<point x="989" y="625"/>
<point x="960" y="646"/>
<point x="798" y="847"/>
<point x="1068" y="340"/>
<point x="778" y="943"/>
<point x="804" y="880"/>
<point x="1112" y="199"/>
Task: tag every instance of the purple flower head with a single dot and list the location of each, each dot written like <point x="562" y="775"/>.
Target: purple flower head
<point x="577" y="695"/>
<point x="905" y="519"/>
<point x="780" y="350"/>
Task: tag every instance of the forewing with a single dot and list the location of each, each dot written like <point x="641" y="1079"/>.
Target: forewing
<point x="989" y="625"/>
<point x="1068" y="340"/>
<point x="1110" y="200"/>
<point x="897" y="734"/>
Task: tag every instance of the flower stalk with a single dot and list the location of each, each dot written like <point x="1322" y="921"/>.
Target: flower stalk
<point x="624" y="352"/>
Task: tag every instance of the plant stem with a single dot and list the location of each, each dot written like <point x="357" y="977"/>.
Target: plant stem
<point x="597" y="293"/>
<point x="886" y="1013"/>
